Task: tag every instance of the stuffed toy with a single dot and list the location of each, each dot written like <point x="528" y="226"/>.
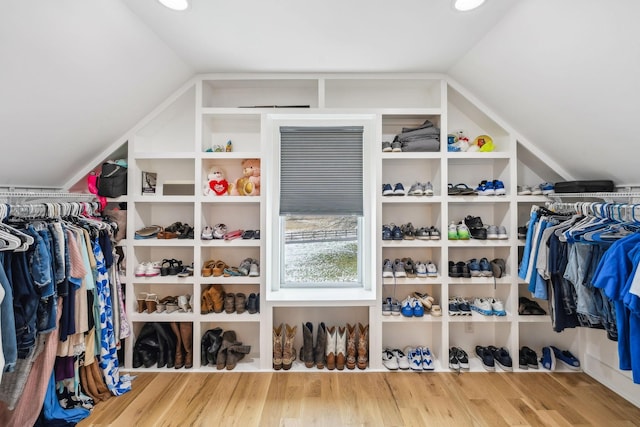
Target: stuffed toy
<point x="216" y="184"/>
<point x="249" y="183"/>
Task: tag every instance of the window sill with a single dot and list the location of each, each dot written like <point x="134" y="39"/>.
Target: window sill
<point x="321" y="294"/>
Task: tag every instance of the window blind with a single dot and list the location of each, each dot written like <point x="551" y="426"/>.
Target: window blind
<point x="321" y="170"/>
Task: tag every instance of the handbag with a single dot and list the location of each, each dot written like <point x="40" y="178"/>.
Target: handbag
<point x="112" y="181"/>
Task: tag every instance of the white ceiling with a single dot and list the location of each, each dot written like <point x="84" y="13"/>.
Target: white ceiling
<point x="76" y="75"/>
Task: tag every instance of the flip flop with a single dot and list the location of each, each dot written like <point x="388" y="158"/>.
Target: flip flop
<point x="465" y="190"/>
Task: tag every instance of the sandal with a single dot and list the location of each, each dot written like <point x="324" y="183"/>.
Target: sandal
<point x="464" y="190"/>
<point x="164" y="271"/>
<point x="426" y="299"/>
<point x="147" y="232"/>
<point x="248" y="234"/>
<point x="186" y="233"/>
<point x="151" y="302"/>
<point x="175" y="267"/>
<point x="207" y="268"/>
<point x="232" y="271"/>
<point x="218" y="268"/>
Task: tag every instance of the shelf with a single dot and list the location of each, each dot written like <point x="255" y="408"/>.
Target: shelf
<point x="163" y="243"/>
<point x="532" y="199"/>
<point x="411" y="155"/>
<point x="478" y="199"/>
<point x="163" y="317"/>
<point x="411" y="199"/>
<point x="163" y="199"/>
<point x="534" y="319"/>
<point x="471" y="243"/>
<point x="417" y="243"/>
<point x="231" y="199"/>
<point x="231" y="317"/>
<point x="402" y="319"/>
<point x="480" y="318"/>
<point x="231" y="155"/>
<point x="237" y="280"/>
<point x="403" y="281"/>
<point x="151" y="155"/>
<point x="505" y="280"/>
<point x="478" y="155"/>
<point x="221" y="243"/>
<point x="162" y="280"/>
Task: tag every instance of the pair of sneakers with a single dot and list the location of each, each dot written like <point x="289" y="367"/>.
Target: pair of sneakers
<point x="458" y="231"/>
<point x="545" y="188"/>
<point x="488" y="306"/>
<point x="391" y="307"/>
<point x="480" y="268"/>
<point x="492" y="356"/>
<point x="421" y="189"/>
<point x="420" y="358"/>
<point x="459" y="306"/>
<point x="426" y="269"/>
<point x="396" y="190"/>
<point x="394" y="359"/>
<point x="148" y="269"/>
<point x="551" y="354"/>
<point x="412" y="307"/>
<point x="249" y="267"/>
<point x="491" y="188"/>
<point x="458" y="359"/>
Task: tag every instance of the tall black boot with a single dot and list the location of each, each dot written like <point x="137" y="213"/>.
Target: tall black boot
<point x="307" y="342"/>
<point x="321" y="344"/>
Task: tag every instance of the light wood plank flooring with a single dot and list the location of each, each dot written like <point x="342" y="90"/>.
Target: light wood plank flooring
<point x="365" y="399"/>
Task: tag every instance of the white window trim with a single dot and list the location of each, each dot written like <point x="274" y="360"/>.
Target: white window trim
<point x="274" y="291"/>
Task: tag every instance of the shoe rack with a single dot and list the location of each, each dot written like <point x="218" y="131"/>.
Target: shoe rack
<point x="213" y="109"/>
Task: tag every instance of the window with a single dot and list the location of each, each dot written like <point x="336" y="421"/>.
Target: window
<point x="321" y="206"/>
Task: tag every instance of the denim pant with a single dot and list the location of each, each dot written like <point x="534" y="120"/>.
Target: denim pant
<point x="9" y="342"/>
<point x="25" y="302"/>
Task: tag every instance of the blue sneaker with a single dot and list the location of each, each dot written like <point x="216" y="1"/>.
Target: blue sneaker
<point x="474" y="267"/>
<point x="498" y="186"/>
<point x="407" y="307"/>
<point x="568" y="359"/>
<point x="396" y="233"/>
<point x="485" y="355"/>
<point x="386" y="232"/>
<point x="485" y="188"/>
<point x="485" y="268"/>
<point x="547" y="188"/>
<point x="387" y="190"/>
<point x="427" y="360"/>
<point x="548" y="360"/>
<point x="418" y="309"/>
<point x="386" y="307"/>
<point x="415" y="358"/>
<point x="454" y="310"/>
<point x="398" y="190"/>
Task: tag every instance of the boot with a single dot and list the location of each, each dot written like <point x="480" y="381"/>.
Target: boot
<point x="167" y="341"/>
<point x="330" y="351"/>
<point x="228" y="340"/>
<point x="186" y="333"/>
<point x="205" y="304"/>
<point x="277" y="347"/>
<point x="307" y="349"/>
<point x="235" y="353"/>
<point x="87" y="383"/>
<point x="351" y="346"/>
<point x="321" y="344"/>
<point x="288" y="352"/>
<point x="341" y="348"/>
<point x="179" y="356"/>
<point x="146" y="331"/>
<point x="209" y="346"/>
<point x="215" y="295"/>
<point x="101" y="389"/>
<point x="363" y="346"/>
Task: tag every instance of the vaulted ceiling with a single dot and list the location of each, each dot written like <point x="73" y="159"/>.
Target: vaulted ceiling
<point x="76" y="75"/>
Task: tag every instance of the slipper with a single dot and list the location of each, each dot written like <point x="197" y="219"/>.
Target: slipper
<point x="464" y="190"/>
<point x="146" y="232"/>
<point x="218" y="268"/>
<point x="248" y="234"/>
<point x="235" y="234"/>
<point x="528" y="307"/>
<point x="207" y="268"/>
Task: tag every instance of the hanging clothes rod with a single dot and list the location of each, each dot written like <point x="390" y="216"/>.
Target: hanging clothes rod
<point x="622" y="196"/>
<point x="46" y="195"/>
<point x="623" y="212"/>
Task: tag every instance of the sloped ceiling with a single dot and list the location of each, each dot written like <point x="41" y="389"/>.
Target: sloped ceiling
<point x="566" y="74"/>
<point x="76" y="74"/>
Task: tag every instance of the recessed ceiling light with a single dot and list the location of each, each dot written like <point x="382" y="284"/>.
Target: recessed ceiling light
<point x="466" y="5"/>
<point x="175" y="4"/>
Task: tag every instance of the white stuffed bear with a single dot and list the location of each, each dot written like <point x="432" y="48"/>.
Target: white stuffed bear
<point x="217" y="184"/>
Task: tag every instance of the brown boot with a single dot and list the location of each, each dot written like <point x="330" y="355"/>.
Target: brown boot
<point x="307" y="346"/>
<point x="103" y="392"/>
<point x="363" y="346"/>
<point x="288" y="352"/>
<point x="179" y="361"/>
<point x="88" y="384"/>
<point x="277" y="347"/>
<point x="341" y="348"/>
<point x="351" y="346"/>
<point x="216" y="296"/>
<point x="331" y="348"/>
<point x="205" y="303"/>
<point x="186" y="332"/>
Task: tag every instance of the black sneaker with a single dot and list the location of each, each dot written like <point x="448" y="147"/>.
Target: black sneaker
<point x="502" y="357"/>
<point x="478" y="233"/>
<point x="486" y="356"/>
<point x="522" y="232"/>
<point x="473" y="222"/>
<point x="453" y="359"/>
<point x="463" y="358"/>
<point x="530" y="356"/>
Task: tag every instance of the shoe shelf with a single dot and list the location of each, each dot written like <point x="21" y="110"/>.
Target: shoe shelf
<point x="237" y="280"/>
<point x="533" y="319"/>
<point x="478" y="155"/>
<point x="230" y="243"/>
<point x="417" y="243"/>
<point x="405" y="281"/>
<point x="411" y="199"/>
<point x="231" y="317"/>
<point x="163" y="242"/>
<point x="403" y="319"/>
<point x="164" y="280"/>
<point x="163" y="317"/>
<point x="411" y="156"/>
<point x="504" y="280"/>
<point x="231" y="199"/>
<point x="479" y="243"/>
<point x="478" y="199"/>
<point x="481" y="318"/>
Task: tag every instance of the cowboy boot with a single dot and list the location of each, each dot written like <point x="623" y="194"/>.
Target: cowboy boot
<point x="330" y="351"/>
<point x="288" y="352"/>
<point x="341" y="348"/>
<point x="277" y="347"/>
<point x="351" y="346"/>
<point x="321" y="344"/>
<point x="363" y="346"/>
<point x="186" y="333"/>
<point x="179" y="357"/>
<point x="307" y="349"/>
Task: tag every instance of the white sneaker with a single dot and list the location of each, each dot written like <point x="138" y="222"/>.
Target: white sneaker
<point x="415" y="358"/>
<point x="421" y="269"/>
<point x="254" y="270"/>
<point x="389" y="360"/>
<point x="432" y="270"/>
<point x="141" y="269"/>
<point x="153" y="269"/>
<point x="401" y="357"/>
<point x="427" y="360"/>
<point x="497" y="306"/>
<point x="482" y="306"/>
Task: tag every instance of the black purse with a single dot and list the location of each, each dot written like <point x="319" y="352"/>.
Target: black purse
<point x="112" y="181"/>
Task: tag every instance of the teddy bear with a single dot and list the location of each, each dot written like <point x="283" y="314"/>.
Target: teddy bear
<point x="216" y="184"/>
<point x="249" y="183"/>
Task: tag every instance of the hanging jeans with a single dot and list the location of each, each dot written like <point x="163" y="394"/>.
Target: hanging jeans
<point x="25" y="302"/>
<point x="9" y="342"/>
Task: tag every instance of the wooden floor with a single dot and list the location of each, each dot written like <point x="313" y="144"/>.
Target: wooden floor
<point x="365" y="399"/>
